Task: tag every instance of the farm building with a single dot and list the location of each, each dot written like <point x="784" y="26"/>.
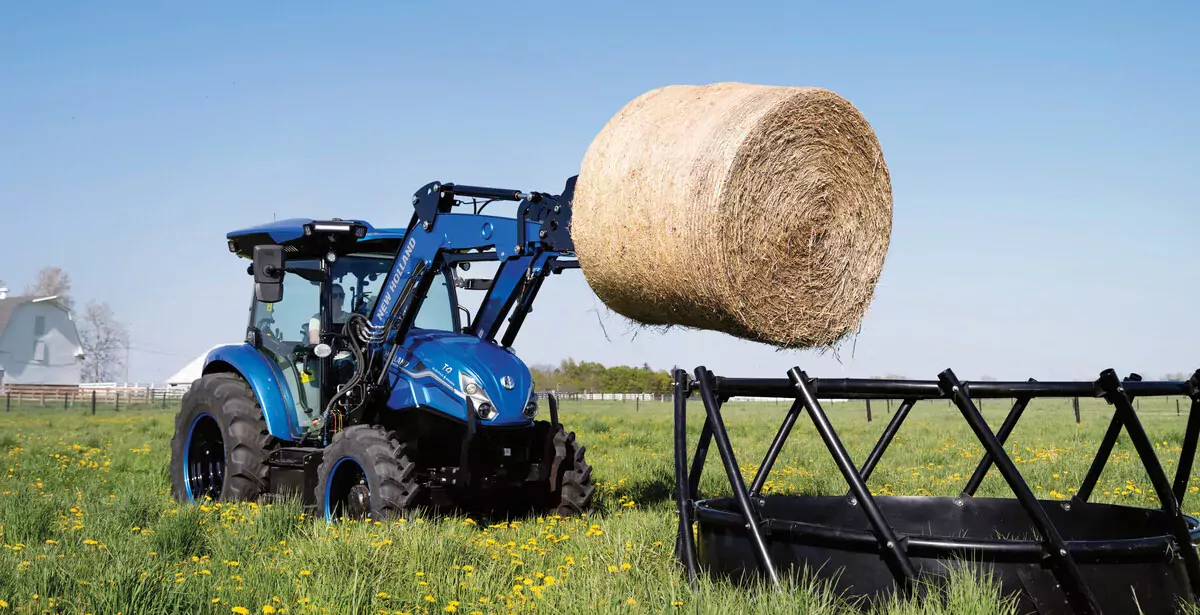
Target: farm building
<point x="190" y="372"/>
<point x="39" y="343"/>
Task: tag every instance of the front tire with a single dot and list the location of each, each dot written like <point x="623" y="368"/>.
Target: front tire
<point x="571" y="487"/>
<point x="221" y="441"/>
<point x="365" y="472"/>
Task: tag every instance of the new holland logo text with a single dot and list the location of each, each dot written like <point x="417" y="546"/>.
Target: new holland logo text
<point x="385" y="304"/>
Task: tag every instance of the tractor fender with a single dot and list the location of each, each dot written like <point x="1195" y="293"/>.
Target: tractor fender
<point x="264" y="379"/>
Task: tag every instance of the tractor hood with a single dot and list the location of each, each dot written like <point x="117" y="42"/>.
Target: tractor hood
<point x="440" y="364"/>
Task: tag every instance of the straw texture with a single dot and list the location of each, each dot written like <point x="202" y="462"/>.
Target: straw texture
<point x="761" y="211"/>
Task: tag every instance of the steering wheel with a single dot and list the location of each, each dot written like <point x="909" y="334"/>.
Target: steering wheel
<point x="360" y="306"/>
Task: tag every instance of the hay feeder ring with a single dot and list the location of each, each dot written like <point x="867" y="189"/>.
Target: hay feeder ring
<point x="1056" y="556"/>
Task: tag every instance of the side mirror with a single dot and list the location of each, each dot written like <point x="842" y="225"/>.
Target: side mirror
<point x="268" y="273"/>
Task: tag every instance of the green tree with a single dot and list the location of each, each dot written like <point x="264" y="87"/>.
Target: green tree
<point x="571" y="376"/>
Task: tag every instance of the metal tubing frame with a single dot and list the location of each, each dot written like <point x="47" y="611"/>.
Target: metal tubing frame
<point x="1105" y="450"/>
<point x="895" y="557"/>
<point x="753" y="523"/>
<point x="1188" y="454"/>
<point x="1115" y="394"/>
<point x="785" y="430"/>
<point x="1061" y="556"/>
<point x="1006" y="429"/>
<point x="1100" y="460"/>
<point x="685" y="545"/>
<point x="1062" y="564"/>
<point x="885" y="440"/>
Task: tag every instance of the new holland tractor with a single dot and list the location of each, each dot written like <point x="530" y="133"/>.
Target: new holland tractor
<point x="366" y="388"/>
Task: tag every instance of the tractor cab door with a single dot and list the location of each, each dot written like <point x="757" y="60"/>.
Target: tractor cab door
<point x="283" y="328"/>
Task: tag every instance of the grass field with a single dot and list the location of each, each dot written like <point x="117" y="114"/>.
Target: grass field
<point x="87" y="524"/>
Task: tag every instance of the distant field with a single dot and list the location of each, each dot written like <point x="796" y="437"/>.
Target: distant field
<point x="87" y="524"/>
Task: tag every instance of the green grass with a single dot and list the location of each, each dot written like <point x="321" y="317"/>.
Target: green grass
<point x="88" y="526"/>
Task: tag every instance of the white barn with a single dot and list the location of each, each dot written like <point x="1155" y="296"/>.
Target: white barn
<point x="39" y="343"/>
<point x="190" y="372"/>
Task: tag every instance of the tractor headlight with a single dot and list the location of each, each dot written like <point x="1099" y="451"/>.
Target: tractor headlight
<point x="531" y="409"/>
<point x="477" y="399"/>
<point x="485" y="411"/>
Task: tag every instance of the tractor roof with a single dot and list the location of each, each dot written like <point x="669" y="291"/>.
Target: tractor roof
<point x="290" y="233"/>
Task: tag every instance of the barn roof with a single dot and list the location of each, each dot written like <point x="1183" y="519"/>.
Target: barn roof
<point x="9" y="305"/>
<point x="190" y="372"/>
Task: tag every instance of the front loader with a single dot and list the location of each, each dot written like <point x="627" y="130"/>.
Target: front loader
<point x="367" y="389"/>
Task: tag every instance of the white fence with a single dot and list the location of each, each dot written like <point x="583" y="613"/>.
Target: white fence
<point x="108" y="394"/>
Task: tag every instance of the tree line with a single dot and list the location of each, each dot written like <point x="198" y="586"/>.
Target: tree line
<point x="571" y="376"/>
<point x="103" y="338"/>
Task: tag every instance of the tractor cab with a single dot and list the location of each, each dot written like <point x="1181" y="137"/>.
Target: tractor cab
<point x="310" y="276"/>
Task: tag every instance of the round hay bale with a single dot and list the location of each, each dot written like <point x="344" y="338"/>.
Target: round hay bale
<point x="761" y="211"/>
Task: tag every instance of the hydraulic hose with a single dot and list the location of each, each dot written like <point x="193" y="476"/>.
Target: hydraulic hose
<point x="359" y="365"/>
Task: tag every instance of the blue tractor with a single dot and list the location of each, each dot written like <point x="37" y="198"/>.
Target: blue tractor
<point x="366" y="388"/>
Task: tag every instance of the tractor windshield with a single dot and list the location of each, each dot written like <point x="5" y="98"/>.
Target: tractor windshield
<point x="360" y="276"/>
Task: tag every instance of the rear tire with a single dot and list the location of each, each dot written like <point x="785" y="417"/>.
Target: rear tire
<point x="365" y="471"/>
<point x="221" y="442"/>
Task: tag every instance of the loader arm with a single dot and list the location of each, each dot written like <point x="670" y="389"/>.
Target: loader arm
<point x="528" y="248"/>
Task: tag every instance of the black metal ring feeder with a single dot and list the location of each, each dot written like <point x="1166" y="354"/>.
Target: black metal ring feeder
<point x="1086" y="557"/>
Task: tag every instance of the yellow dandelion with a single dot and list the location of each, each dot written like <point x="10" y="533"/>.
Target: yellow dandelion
<point x="268" y="609"/>
<point x="241" y="610"/>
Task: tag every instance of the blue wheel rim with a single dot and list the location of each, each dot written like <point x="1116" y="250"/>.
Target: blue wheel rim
<point x="203" y="458"/>
<point x="347" y="490"/>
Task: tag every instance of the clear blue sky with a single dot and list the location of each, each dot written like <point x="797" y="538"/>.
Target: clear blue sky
<point x="1043" y="158"/>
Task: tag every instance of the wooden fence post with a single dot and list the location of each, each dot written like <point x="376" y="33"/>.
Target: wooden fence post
<point x="1075" y="403"/>
<point x="889" y="404"/>
<point x="868" y="410"/>
<point x="117" y="402"/>
<point x="93" y="402"/>
<point x="8" y="402"/>
<point x="65" y="398"/>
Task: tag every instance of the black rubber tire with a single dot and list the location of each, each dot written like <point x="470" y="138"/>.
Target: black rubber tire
<point x="390" y="473"/>
<point x="570" y="478"/>
<point x="230" y="401"/>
